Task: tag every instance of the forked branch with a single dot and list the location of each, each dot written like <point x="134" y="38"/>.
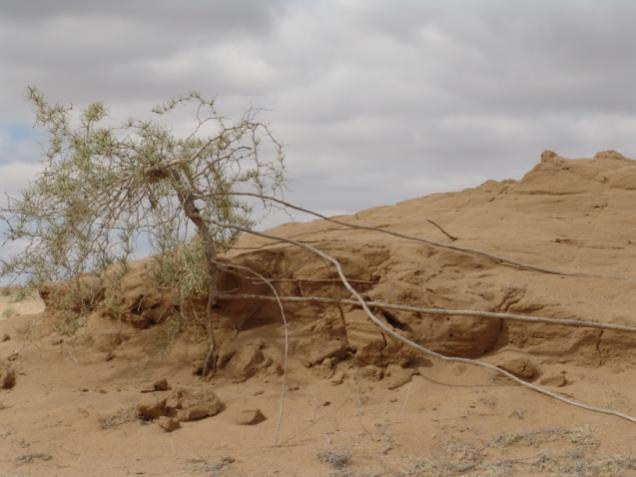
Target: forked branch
<point x="463" y="250"/>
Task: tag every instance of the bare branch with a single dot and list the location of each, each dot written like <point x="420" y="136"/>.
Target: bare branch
<point x="442" y="311"/>
<point x="464" y="250"/>
<point x="394" y="334"/>
<point x="278" y="300"/>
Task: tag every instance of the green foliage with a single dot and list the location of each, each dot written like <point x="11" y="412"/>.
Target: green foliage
<point x="83" y="295"/>
<point x="182" y="269"/>
<point x="168" y="334"/>
<point x="70" y="325"/>
<point x="9" y="312"/>
<point x="106" y="188"/>
<point x="22" y="293"/>
<point x="112" y="281"/>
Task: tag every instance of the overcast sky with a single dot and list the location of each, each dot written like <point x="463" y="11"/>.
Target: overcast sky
<point x="375" y="101"/>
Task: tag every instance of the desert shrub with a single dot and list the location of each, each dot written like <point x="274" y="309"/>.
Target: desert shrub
<point x="107" y="190"/>
<point x="9" y="312"/>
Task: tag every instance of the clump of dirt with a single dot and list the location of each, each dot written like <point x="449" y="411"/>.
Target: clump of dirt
<point x="182" y="404"/>
<point x="522" y="367"/>
<point x="7" y="375"/>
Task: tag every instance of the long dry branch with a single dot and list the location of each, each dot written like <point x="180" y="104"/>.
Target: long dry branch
<point x="463" y="250"/>
<point x="443" y="311"/>
<point x="277" y="298"/>
<point x="394" y="334"/>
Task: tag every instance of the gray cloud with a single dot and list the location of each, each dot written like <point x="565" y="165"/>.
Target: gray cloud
<point x="377" y="101"/>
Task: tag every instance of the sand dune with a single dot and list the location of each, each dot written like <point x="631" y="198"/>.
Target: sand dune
<point x="358" y="403"/>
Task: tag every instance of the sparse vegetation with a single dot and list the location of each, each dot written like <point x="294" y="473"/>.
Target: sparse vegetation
<point x="70" y="326"/>
<point x="9" y="312"/>
<point x="21" y="293"/>
<point x="339" y="460"/>
<point x="170" y="329"/>
<point x="558" y="452"/>
<point x="118" y="418"/>
<point x="107" y="188"/>
<point x="17" y="293"/>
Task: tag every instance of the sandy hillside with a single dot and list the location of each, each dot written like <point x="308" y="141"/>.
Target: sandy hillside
<point x="357" y="403"/>
<point x="13" y="303"/>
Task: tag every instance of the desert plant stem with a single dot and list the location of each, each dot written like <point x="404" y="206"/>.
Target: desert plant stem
<point x="186" y="199"/>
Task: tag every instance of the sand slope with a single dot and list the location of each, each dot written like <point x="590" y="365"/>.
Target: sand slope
<point x="350" y="408"/>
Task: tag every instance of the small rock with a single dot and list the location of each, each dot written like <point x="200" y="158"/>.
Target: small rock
<point x="168" y="424"/>
<point x="329" y="363"/>
<point x="547" y="156"/>
<point x="332" y="349"/>
<point x="249" y="417"/>
<point x="31" y="458"/>
<point x="247" y="361"/>
<point x="338" y="378"/>
<point x="522" y="368"/>
<point x="150" y="410"/>
<point x="13" y="357"/>
<point x="558" y="380"/>
<point x="7" y="377"/>
<point x="5" y="337"/>
<point x="326" y="403"/>
<point x="56" y="340"/>
<point x="192" y="405"/>
<point x="370" y="372"/>
<point x="109" y="356"/>
<point x="397" y="376"/>
<point x="160" y="385"/>
<point x="258" y="393"/>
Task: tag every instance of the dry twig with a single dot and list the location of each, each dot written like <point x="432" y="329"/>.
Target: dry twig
<point x="277" y="298"/>
<point x="444" y="311"/>
<point x="463" y="250"/>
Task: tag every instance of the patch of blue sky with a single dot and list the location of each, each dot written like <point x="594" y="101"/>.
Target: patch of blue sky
<point x="21" y="132"/>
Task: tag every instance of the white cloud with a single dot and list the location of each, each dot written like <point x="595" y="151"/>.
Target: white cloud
<point x="14" y="176"/>
<point x="376" y="101"/>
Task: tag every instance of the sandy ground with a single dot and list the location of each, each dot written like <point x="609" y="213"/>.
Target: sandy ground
<point x="72" y="410"/>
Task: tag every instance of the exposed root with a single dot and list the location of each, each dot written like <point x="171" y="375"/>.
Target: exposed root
<point x="439" y="227"/>
<point x="209" y="364"/>
<point x="443" y="311"/>
<point x="394" y="334"/>
<point x="277" y="298"/>
<point x="432" y="243"/>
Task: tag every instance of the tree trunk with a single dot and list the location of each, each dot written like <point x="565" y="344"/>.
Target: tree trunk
<point x="191" y="211"/>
